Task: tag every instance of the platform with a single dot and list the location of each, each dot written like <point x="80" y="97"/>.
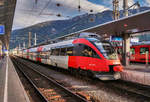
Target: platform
<point x="137" y="73"/>
<point x="11" y="88"/>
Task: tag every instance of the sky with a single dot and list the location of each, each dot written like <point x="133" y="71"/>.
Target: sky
<point x="30" y="12"/>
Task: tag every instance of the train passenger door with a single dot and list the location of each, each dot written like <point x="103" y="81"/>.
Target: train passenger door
<point x="78" y="59"/>
<point x="54" y="57"/>
<point x="93" y="58"/>
<point x="88" y="59"/>
<point x="63" y="60"/>
<point x="143" y="51"/>
<point x="96" y="63"/>
<point x="84" y="61"/>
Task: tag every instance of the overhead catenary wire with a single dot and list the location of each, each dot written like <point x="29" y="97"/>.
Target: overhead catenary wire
<point x="46" y="5"/>
<point x="60" y="5"/>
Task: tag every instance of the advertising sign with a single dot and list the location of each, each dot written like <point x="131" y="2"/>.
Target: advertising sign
<point x="115" y="38"/>
<point x="2" y="30"/>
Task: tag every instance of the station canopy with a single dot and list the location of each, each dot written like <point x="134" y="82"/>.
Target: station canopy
<point x="7" y="9"/>
<point x="136" y="23"/>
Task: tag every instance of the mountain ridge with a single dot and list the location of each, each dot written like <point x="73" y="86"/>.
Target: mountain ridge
<point x="52" y="29"/>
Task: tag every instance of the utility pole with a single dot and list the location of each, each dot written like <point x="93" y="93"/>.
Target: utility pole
<point x="126" y="37"/>
<point x="35" y="39"/>
<point x="125" y="7"/>
<point x="29" y="40"/>
<point x="115" y="9"/>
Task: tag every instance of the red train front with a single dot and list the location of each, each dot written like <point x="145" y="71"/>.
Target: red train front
<point x="96" y="56"/>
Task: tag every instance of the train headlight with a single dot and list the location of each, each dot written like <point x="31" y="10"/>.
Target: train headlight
<point x="117" y="62"/>
<point x="117" y="76"/>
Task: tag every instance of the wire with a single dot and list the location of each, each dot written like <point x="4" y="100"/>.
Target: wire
<point x="28" y="10"/>
<point x="45" y="7"/>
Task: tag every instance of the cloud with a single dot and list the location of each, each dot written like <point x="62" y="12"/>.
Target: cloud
<point x="27" y="12"/>
<point x="147" y="2"/>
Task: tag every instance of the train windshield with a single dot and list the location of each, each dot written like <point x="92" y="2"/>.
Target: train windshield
<point x="107" y="50"/>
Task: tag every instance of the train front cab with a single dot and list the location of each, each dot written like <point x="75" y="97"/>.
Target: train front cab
<point x="87" y="56"/>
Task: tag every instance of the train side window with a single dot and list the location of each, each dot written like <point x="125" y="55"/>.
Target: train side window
<point x="55" y="52"/>
<point x="44" y="55"/>
<point x="85" y="51"/>
<point x="77" y="49"/>
<point x="132" y="51"/>
<point x="63" y="52"/>
<point x="143" y="50"/>
<point x="94" y="54"/>
<point x="52" y="52"/>
<point x="88" y="52"/>
<point x="69" y="51"/>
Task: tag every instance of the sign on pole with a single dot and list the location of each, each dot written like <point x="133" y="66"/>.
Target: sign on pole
<point x="2" y="29"/>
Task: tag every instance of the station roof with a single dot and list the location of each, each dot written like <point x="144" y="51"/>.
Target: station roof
<point x="128" y="25"/>
<point x="7" y="9"/>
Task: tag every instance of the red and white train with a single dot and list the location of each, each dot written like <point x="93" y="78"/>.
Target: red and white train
<point x="84" y="54"/>
<point x="138" y="52"/>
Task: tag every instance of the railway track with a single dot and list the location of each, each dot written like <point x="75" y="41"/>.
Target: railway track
<point x="31" y="90"/>
<point x="126" y="88"/>
<point x="48" y="89"/>
<point x="133" y="89"/>
<point x="141" y="90"/>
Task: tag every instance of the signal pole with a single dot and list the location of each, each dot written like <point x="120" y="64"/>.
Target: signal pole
<point x="29" y="40"/>
<point x="125" y="7"/>
<point x="115" y="9"/>
<point x="126" y="38"/>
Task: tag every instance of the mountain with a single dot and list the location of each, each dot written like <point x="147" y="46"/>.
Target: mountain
<point x="52" y="29"/>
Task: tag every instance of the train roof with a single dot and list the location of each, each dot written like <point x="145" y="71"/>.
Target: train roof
<point x="47" y="47"/>
<point x="62" y="44"/>
<point x="66" y="39"/>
